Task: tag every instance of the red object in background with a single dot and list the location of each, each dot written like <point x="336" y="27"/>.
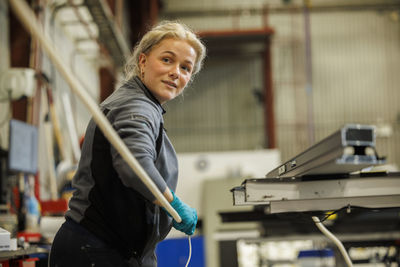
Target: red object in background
<point x="59" y="206"/>
<point x="28" y="262"/>
<point x="37" y="187"/>
<point x="16" y="198"/>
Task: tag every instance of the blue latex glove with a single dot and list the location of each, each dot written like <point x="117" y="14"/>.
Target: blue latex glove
<point x="187" y="214"/>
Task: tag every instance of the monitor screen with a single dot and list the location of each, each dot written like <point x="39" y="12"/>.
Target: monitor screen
<point x="23" y="147"/>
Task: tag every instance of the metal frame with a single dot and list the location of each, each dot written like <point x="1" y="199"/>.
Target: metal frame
<point x="320" y="195"/>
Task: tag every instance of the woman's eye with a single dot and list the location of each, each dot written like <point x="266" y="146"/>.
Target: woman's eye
<point x="186" y="68"/>
<point x="165" y="59"/>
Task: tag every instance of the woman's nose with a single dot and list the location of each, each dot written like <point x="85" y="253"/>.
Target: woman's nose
<point x="174" y="72"/>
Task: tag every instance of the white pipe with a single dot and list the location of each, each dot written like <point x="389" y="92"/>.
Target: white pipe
<point x="73" y="136"/>
<point x="28" y="19"/>
<point x="48" y="132"/>
<point x="334" y="239"/>
<point x="47" y="127"/>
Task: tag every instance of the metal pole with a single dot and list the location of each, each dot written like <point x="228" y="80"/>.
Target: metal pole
<point x="308" y="65"/>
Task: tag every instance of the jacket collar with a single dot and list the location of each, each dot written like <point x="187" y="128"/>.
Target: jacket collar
<point x="148" y="93"/>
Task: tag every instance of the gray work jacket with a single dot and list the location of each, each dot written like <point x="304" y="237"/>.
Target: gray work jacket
<point x="110" y="200"/>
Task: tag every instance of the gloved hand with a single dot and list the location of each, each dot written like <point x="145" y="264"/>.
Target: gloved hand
<point x="187" y="214"/>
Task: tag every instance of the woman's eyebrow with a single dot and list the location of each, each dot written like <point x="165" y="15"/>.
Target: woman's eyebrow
<point x="189" y="62"/>
<point x="174" y="54"/>
<point x="169" y="52"/>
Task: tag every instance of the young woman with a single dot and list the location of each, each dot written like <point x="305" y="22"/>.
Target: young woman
<point x="113" y="219"/>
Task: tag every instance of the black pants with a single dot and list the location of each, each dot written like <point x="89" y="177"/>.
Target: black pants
<point x="74" y="246"/>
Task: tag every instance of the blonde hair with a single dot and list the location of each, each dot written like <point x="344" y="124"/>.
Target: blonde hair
<point x="164" y="30"/>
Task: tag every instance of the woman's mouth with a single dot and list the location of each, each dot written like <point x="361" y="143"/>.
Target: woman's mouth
<point x="171" y="84"/>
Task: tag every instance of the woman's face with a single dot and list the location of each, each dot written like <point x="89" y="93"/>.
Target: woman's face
<point x="167" y="68"/>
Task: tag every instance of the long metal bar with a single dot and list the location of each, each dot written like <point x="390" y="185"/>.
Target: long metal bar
<point x="283" y="9"/>
<point x="303" y="205"/>
<point x="27" y="18"/>
<point x="332" y="155"/>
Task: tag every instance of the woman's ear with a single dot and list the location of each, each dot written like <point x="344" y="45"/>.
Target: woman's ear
<point x="142" y="60"/>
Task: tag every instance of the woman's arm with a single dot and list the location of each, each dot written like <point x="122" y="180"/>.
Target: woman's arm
<point x="138" y="126"/>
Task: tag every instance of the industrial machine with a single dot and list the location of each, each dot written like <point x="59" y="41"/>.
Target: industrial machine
<point x="327" y="176"/>
<point x="333" y="177"/>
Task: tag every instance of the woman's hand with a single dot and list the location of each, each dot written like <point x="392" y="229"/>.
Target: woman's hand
<point x="187" y="214"/>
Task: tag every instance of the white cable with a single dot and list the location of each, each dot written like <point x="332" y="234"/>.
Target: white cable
<point x="190" y="251"/>
<point x="337" y="242"/>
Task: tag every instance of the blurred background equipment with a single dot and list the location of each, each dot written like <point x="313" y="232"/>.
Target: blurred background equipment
<point x="23" y="147"/>
<point x="16" y="83"/>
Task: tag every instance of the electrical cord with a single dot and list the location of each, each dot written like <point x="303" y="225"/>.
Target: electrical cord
<point x="333" y="213"/>
<point x="348" y="209"/>
<point x="190" y="251"/>
<point x="334" y="239"/>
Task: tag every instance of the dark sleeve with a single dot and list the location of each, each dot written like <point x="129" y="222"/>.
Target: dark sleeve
<point x="138" y="126"/>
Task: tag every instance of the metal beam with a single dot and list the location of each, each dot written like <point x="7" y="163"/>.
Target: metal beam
<point x="172" y="14"/>
<point x="109" y="34"/>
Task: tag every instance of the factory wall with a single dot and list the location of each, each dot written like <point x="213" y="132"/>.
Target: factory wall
<point x="354" y="62"/>
<point x="219" y="111"/>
